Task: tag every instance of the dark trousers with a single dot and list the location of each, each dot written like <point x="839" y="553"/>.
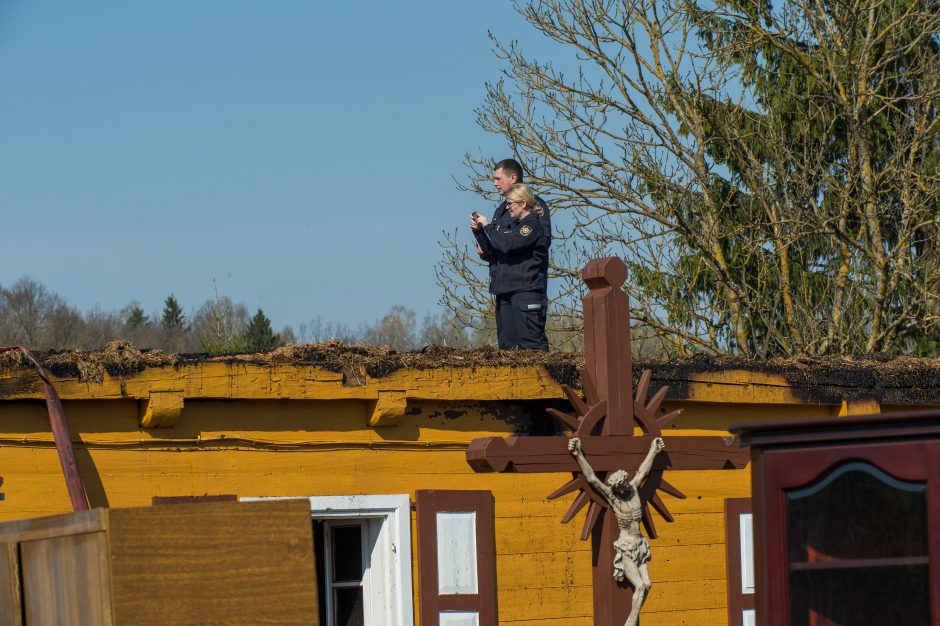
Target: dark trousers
<point x="520" y="320"/>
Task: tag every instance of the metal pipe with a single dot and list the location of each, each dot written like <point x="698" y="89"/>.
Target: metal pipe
<point x="60" y="433"/>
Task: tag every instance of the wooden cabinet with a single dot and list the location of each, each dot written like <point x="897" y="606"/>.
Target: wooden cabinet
<point x="226" y="563"/>
<point x="847" y="520"/>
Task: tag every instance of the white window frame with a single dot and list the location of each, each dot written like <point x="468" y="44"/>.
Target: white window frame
<point x="369" y="529"/>
<point x="391" y="538"/>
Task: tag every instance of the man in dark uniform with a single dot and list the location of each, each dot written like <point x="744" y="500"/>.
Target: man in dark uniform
<point x="507" y="173"/>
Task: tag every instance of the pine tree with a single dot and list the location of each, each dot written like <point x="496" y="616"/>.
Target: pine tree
<point x="134" y="316"/>
<point x="173" y="317"/>
<point x="842" y="209"/>
<point x="258" y="336"/>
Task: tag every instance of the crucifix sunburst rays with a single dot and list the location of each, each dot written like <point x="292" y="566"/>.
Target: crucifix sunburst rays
<point x="588" y="420"/>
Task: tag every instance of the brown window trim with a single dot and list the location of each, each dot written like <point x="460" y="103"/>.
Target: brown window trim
<point x="428" y="504"/>
<point x="738" y="602"/>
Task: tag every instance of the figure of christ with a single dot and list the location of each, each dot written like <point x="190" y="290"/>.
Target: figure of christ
<point x="631" y="549"/>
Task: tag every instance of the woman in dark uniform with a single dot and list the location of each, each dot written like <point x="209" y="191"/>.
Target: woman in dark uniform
<point x="520" y="278"/>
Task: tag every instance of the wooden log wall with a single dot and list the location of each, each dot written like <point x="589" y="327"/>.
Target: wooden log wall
<point x="256" y="430"/>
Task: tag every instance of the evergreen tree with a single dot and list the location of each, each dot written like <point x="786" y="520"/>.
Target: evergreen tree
<point x="173" y="317"/>
<point x="134" y="316"/>
<point x="843" y="126"/>
<point x="258" y="336"/>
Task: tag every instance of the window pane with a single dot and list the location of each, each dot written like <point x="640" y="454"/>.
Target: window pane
<point x="347" y="607"/>
<point x="746" y="526"/>
<point x="460" y="618"/>
<point x="347" y="553"/>
<point x="873" y="596"/>
<point x="457" y="553"/>
<point x="856" y="511"/>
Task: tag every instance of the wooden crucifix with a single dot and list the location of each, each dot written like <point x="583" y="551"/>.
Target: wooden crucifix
<point x="604" y="422"/>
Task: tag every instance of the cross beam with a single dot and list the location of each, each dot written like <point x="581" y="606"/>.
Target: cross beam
<point x="605" y="423"/>
<point x="606" y="454"/>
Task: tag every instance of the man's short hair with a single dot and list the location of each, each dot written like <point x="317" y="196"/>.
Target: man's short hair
<point x="510" y="167"/>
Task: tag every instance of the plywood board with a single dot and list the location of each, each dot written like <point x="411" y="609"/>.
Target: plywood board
<point x="11" y="611"/>
<point x="65" y="581"/>
<point x="250" y="562"/>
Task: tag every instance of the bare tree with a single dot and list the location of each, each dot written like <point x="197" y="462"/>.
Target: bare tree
<point x="768" y="172"/>
<point x="32" y="315"/>
<point x="287" y="335"/>
<point x="100" y="327"/>
<point x="219" y="325"/>
<point x="444" y="329"/>
<point x="397" y="329"/>
<point x="318" y="330"/>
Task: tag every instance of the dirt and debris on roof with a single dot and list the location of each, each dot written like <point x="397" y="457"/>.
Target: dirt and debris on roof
<point x="122" y="358"/>
<point x="116" y="358"/>
<point x="379" y="361"/>
<point x="888" y="378"/>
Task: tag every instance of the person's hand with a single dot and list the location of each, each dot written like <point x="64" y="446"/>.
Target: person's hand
<point x="473" y="224"/>
<point x="482" y="221"/>
<point x="658" y="444"/>
<point x="574" y="445"/>
<point x="479" y="251"/>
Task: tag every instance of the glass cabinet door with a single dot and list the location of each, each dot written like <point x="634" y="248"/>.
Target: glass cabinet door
<point x="857" y="549"/>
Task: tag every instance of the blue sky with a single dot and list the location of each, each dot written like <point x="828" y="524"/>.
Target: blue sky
<point x="300" y="153"/>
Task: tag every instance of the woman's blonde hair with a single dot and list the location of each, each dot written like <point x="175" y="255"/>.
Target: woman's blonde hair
<point x="520" y="192"/>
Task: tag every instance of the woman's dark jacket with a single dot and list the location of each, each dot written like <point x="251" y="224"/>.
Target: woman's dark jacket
<point x="520" y="252"/>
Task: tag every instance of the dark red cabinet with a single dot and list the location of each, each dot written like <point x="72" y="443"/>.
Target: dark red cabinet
<point x="847" y="520"/>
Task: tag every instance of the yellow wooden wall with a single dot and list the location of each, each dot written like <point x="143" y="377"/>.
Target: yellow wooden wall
<point x="252" y="446"/>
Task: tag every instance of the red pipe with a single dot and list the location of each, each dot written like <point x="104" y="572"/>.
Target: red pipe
<point x="60" y="433"/>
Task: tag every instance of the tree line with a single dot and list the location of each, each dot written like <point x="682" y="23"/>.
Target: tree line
<point x="33" y="315"/>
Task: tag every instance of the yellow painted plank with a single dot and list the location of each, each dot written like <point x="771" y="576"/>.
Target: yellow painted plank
<point x="704" y="417"/>
<point x="528" y="533"/>
<point x="691" y="529"/>
<point x="673" y="564"/>
<point x="542" y="601"/>
<point x="688" y="563"/>
<point x="538" y="535"/>
<point x="686" y="595"/>
<point x="268" y="421"/>
<point x="582" y="620"/>
<point x="262" y="381"/>
<point x="700" y="617"/>
<point x="132" y="476"/>
<point x="556" y="570"/>
<point x="741" y="386"/>
<point x="258" y="381"/>
<point x="668" y="603"/>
